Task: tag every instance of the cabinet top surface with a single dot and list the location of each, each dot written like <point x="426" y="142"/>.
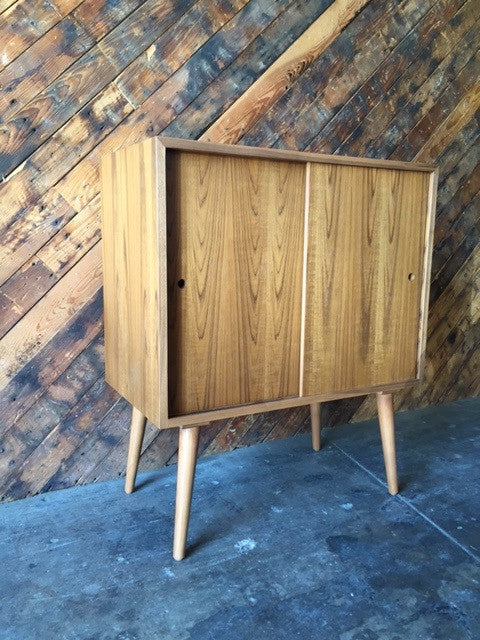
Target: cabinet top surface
<point x="280" y="154"/>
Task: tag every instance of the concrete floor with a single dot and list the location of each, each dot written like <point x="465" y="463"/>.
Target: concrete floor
<point x="284" y="543"/>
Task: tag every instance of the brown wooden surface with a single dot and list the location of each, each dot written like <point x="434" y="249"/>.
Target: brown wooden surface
<point x="293" y="155"/>
<point x="364" y="276"/>
<point x="131" y="272"/>
<point x="290" y="276"/>
<point x="235" y="237"/>
<point x="398" y="80"/>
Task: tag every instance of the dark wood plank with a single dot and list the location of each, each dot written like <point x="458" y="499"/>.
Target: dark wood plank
<point x="151" y="19"/>
<point x="410" y="58"/>
<point x="38" y="120"/>
<point x="40" y="273"/>
<point x="82" y="183"/>
<point x="424" y="71"/>
<point x="21" y="24"/>
<point x="41" y="371"/>
<point x="31" y="228"/>
<point x="231" y="83"/>
<point x="46" y="113"/>
<point x="26" y="233"/>
<point x="99" y="17"/>
<point x="365" y="35"/>
<point x="33" y="471"/>
<point x="149" y="70"/>
<point x="24" y="437"/>
<point x="39" y="65"/>
<point x="22" y="290"/>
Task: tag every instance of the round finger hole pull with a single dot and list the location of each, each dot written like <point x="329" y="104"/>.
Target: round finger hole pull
<point x="181" y="283"/>
<point x="411" y="277"/>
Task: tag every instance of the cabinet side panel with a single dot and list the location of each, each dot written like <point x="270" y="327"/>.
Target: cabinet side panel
<point x="131" y="275"/>
<point x="427" y="267"/>
<point x="235" y="239"/>
<point x="364" y="276"/>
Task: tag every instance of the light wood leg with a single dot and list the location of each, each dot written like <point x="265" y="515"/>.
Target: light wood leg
<point x="315" y="418"/>
<point x="187" y="458"/>
<point x="387" y="433"/>
<point x="137" y="430"/>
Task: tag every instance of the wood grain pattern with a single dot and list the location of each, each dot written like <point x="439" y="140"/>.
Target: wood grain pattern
<point x="18" y="31"/>
<point x="235" y="238"/>
<point x="54" y="309"/>
<point x="291" y="155"/>
<point x="365" y="270"/>
<point x="247" y="67"/>
<point x="276" y="405"/>
<point x="150" y="69"/>
<point x="391" y="84"/>
<point x="270" y="86"/>
<point x="334" y="74"/>
<point x="385" y="86"/>
<point x="39" y="65"/>
<point x="131" y="273"/>
<point x="238" y="255"/>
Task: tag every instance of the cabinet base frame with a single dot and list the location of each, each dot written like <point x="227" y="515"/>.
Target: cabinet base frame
<point x="187" y="457"/>
<point x="203" y="417"/>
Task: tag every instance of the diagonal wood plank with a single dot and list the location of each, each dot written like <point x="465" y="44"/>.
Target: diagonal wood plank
<point x="18" y="30"/>
<point x="235" y="79"/>
<point x="446" y="132"/>
<point x="49" y="163"/>
<point x="40" y="64"/>
<point x="245" y="111"/>
<point x="38" y="325"/>
<point x="81" y="184"/>
<point x="35" y="379"/>
<point x="331" y="75"/>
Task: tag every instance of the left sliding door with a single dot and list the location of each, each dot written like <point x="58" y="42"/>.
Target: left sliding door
<point x="234" y="252"/>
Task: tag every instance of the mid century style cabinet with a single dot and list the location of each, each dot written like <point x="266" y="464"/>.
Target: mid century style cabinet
<point x="240" y="280"/>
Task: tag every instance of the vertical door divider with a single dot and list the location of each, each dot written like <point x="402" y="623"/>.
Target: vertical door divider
<point x="304" y="276"/>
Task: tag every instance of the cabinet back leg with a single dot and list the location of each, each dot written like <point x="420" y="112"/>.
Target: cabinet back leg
<point x="387" y="434"/>
<point x="315" y="419"/>
<point x="137" y="430"/>
<point x="187" y="459"/>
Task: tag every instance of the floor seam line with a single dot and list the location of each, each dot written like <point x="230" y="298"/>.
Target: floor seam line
<point x="409" y="504"/>
<point x="439" y="528"/>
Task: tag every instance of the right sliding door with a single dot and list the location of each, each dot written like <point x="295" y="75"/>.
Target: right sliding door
<point x="365" y="253"/>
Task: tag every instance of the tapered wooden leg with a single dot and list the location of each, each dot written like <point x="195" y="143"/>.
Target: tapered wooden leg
<point x="387" y="433"/>
<point x="137" y="430"/>
<point x="187" y="458"/>
<point x="315" y="418"/>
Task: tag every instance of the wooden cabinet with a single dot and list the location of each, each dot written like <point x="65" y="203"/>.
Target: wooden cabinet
<point x="239" y="280"/>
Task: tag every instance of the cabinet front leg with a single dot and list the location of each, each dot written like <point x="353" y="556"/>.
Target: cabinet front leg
<point x="187" y="459"/>
<point x="137" y="430"/>
<point x="315" y="419"/>
<point x="387" y="434"/>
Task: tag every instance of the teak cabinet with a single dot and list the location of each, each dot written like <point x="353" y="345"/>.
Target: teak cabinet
<point x="239" y="280"/>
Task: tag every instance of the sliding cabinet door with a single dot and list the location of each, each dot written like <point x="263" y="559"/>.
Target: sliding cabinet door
<point x="235" y="243"/>
<point x="366" y="235"/>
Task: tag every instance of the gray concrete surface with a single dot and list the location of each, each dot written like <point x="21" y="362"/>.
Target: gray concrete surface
<point x="284" y="543"/>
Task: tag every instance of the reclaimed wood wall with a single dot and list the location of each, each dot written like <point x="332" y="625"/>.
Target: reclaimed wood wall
<point x="387" y="79"/>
